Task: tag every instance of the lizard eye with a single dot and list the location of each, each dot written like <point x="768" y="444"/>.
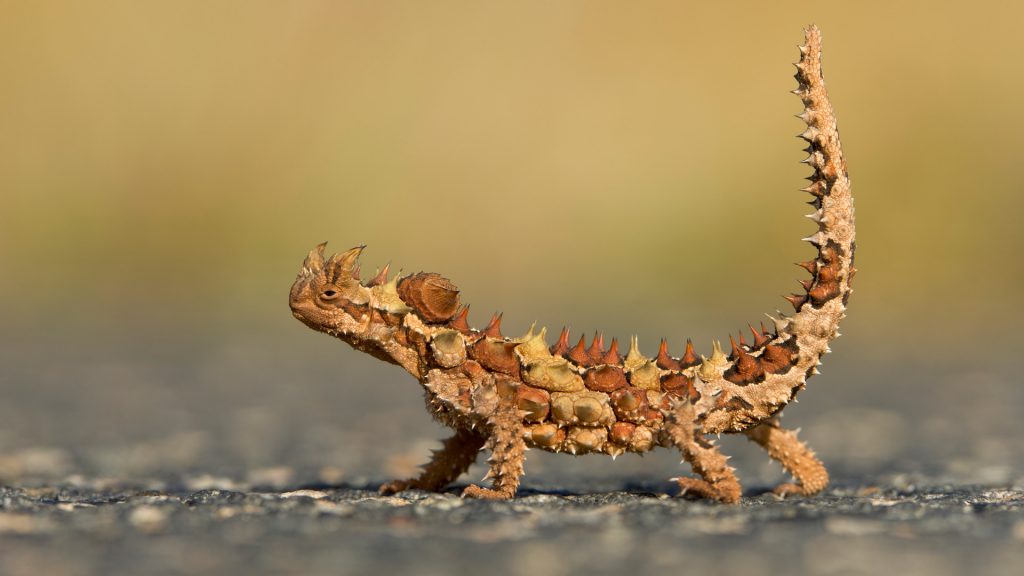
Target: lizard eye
<point x="329" y="294"/>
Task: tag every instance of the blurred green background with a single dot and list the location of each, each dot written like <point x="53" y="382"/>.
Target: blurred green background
<point x="629" y="167"/>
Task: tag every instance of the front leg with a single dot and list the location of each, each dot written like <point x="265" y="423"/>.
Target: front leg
<point x="508" y="448"/>
<point x="456" y="455"/>
<point x="784" y="447"/>
<point x="717" y="479"/>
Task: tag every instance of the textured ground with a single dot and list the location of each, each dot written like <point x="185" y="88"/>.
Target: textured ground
<point x="901" y="528"/>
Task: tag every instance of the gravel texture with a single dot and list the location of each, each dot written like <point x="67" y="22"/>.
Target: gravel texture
<point x="903" y="527"/>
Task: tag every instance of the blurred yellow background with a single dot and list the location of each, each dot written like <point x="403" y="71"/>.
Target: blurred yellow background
<point x="629" y="167"/>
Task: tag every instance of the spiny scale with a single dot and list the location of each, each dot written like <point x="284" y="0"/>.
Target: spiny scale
<point x="509" y="394"/>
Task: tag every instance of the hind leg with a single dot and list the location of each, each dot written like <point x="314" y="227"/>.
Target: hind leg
<point x="508" y="450"/>
<point x="799" y="460"/>
<point x="717" y="479"/>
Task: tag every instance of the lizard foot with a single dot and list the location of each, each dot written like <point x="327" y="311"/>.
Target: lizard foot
<point x="396" y="486"/>
<point x="703" y="489"/>
<point x="788" y="489"/>
<point x="474" y="491"/>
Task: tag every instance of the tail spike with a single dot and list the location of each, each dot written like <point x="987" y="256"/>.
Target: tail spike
<point x="797" y="300"/>
<point x="811" y="266"/>
<point x="736" y="350"/>
<point x="816" y="187"/>
<point x="493" y="328"/>
<point x="760" y="338"/>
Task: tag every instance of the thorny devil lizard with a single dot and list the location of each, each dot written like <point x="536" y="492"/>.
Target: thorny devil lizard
<point x="509" y="394"/>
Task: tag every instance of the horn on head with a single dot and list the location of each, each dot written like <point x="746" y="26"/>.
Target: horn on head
<point x="341" y="267"/>
<point x="315" y="260"/>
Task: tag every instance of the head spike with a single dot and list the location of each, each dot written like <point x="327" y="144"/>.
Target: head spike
<point x="493" y="328"/>
<point x="806" y="284"/>
<point x="461" y="320"/>
<point x="315" y="260"/>
<point x="341" y="267"/>
<point x="381" y="277"/>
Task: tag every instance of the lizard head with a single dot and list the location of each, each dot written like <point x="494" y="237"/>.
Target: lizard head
<point x="326" y="293"/>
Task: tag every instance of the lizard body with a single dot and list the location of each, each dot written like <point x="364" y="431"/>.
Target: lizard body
<point x="509" y="394"/>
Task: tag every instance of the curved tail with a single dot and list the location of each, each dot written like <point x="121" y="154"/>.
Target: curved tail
<point x="760" y="379"/>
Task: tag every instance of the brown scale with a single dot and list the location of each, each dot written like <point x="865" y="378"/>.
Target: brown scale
<point x="745" y="369"/>
<point x="536" y="403"/>
<point x="621" y="433"/>
<point x="629" y="403"/>
<point x="496" y="355"/>
<point x="419" y="341"/>
<point x="680" y="386"/>
<point x="827" y="276"/>
<point x="653" y="418"/>
<point x="434" y="297"/>
<point x="357" y="311"/>
<point x="779" y="358"/>
<point x="391" y="319"/>
<point x="733" y="403"/>
<point x="474" y="371"/>
<point x="605" y="378"/>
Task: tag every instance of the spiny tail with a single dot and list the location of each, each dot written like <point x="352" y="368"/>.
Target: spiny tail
<point x="822" y="306"/>
<point x="763" y="378"/>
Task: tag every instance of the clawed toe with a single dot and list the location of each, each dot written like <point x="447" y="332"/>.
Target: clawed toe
<point x="702" y="489"/>
<point x="394" y="487"/>
<point x="788" y="489"/>
<point x="474" y="491"/>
